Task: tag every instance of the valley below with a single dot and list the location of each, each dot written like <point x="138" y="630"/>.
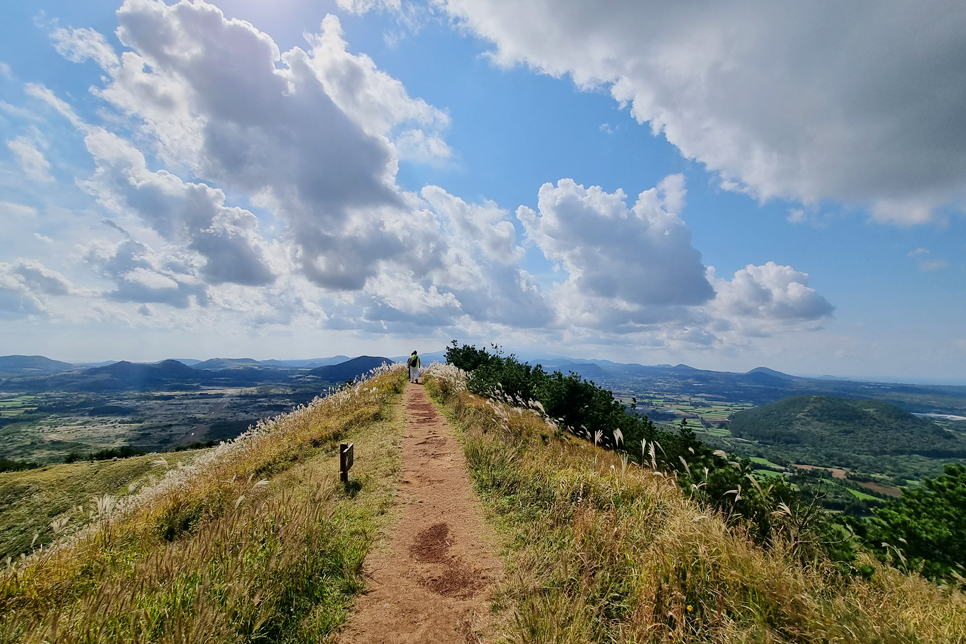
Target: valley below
<point x="154" y="407"/>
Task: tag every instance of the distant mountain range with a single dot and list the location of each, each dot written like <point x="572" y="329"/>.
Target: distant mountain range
<point x="349" y="369"/>
<point x="758" y="386"/>
<point x="216" y="364"/>
<point x="35" y="373"/>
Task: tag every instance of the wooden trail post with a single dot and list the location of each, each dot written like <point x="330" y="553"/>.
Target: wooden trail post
<point x="346" y="458"/>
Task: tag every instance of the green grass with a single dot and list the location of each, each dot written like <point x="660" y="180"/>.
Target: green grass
<point x="764" y="461"/>
<point x="600" y="551"/>
<point x="862" y="495"/>
<point x="768" y="474"/>
<point x="16" y="406"/>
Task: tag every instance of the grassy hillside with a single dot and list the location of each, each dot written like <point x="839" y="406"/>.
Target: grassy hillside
<point x="257" y="541"/>
<point x="829" y="424"/>
<point x="600" y="550"/>
<point x="34" y="502"/>
<point x="254" y="541"/>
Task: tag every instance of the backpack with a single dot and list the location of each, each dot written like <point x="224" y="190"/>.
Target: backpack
<point x="412" y="361"/>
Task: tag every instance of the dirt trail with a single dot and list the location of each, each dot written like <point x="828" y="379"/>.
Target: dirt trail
<point x="431" y="581"/>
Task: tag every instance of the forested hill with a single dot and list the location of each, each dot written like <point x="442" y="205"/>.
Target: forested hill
<point x="827" y="423"/>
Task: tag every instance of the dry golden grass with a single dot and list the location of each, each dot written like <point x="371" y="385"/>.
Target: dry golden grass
<point x="602" y="551"/>
<point x="255" y="541"/>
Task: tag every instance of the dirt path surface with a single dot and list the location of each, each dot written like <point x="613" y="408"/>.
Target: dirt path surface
<point x="431" y="581"/>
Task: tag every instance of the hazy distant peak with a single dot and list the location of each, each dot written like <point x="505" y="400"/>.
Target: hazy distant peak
<point x="31" y="365"/>
<point x="769" y="372"/>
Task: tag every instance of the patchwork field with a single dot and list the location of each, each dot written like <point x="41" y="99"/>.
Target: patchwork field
<point x="45" y="427"/>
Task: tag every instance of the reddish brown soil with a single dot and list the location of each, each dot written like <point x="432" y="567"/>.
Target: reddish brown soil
<point x="880" y="488"/>
<point x="837" y="472"/>
<point x="430" y="582"/>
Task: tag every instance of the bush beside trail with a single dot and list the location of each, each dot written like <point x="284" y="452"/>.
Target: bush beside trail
<point x="925" y="529"/>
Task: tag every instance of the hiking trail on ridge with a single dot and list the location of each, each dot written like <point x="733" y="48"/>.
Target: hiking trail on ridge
<point x="429" y="581"/>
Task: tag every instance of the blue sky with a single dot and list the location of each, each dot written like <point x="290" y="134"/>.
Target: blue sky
<point x="722" y="186"/>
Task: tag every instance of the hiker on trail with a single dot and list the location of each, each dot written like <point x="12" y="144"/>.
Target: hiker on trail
<point x="414" y="365"/>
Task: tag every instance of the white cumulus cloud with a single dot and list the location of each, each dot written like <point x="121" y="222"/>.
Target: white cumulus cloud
<point x="25" y="287"/>
<point x="765" y="298"/>
<point x="240" y="181"/>
<point x="625" y="265"/>
<point x="861" y="102"/>
<point x="35" y="165"/>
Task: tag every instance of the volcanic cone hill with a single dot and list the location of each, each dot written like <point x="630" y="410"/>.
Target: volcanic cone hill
<point x="827" y="423"/>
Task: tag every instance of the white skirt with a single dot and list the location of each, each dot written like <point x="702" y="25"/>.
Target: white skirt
<point x="413" y="374"/>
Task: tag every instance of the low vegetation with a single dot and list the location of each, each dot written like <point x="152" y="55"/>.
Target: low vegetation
<point x="580" y="405"/>
<point x="13" y="465"/>
<point x="256" y="540"/>
<point x="125" y="451"/>
<point x="602" y="549"/>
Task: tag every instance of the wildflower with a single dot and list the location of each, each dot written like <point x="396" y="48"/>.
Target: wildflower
<point x="690" y="608"/>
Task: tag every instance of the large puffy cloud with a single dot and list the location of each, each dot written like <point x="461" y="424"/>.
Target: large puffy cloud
<point x="373" y="99"/>
<point x="487" y="224"/>
<point x="626" y="267"/>
<point x="143" y="275"/>
<point x="481" y="265"/>
<point x="633" y="270"/>
<point x="193" y="213"/>
<point x="862" y="102"/>
<point x="311" y="139"/>
<point x="762" y="299"/>
<point x="307" y="135"/>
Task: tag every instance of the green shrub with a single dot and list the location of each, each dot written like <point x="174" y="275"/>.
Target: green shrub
<point x="125" y="451"/>
<point x="13" y="465"/>
<point x="925" y="529"/>
<point x="195" y="445"/>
